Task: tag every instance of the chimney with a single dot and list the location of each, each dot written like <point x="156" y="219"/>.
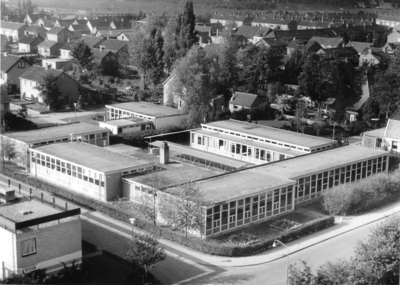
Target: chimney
<point x="164" y="153"/>
<point x="5" y="54"/>
<point x="322" y="19"/>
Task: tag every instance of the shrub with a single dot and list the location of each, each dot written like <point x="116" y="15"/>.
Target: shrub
<point x="207" y="246"/>
<point x="362" y="195"/>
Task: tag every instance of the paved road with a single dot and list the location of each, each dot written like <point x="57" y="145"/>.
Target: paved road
<point x="176" y="270"/>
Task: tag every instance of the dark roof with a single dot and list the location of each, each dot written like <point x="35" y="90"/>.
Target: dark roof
<point x="9" y="61"/>
<point x="244" y="99"/>
<point x="114" y="45"/>
<point x="273" y="42"/>
<point x="100" y="54"/>
<point x="297" y="34"/>
<point x="122" y="24"/>
<point x="312" y="46"/>
<point x="30" y="39"/>
<point x="203" y="29"/>
<point x="65" y="23"/>
<point x="12" y="25"/>
<point x="68" y="45"/>
<point x="56" y="30"/>
<point x="81" y="28"/>
<point x="91" y="41"/>
<point x="36" y="72"/>
<point x="346" y="51"/>
<point x="247" y="31"/>
<point x="33" y="28"/>
<point x="82" y="22"/>
<point x="327" y="41"/>
<point x="393" y="126"/>
<point x="47" y="44"/>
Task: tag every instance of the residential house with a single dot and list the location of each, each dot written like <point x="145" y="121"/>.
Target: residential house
<point x="234" y="19"/>
<point x="33" y="77"/>
<point x="102" y="56"/>
<point x="388" y="20"/>
<point x="204" y="34"/>
<point x="120" y="24"/>
<point x="387" y="138"/>
<point x="29" y="44"/>
<point x="300" y="34"/>
<point x="260" y="34"/>
<point x="328" y="42"/>
<point x="275" y="23"/>
<point x="373" y="56"/>
<point x="12" y="67"/>
<point x="49" y="49"/>
<point x="60" y="35"/>
<point x="63" y="23"/>
<point x="4" y="103"/>
<point x="394" y="36"/>
<point x="125" y="36"/>
<point x="385" y="5"/>
<point x="65" y="50"/>
<point x="276" y="44"/>
<point x="92" y="42"/>
<point x="35" y="236"/>
<point x="344" y="53"/>
<point x="83" y="29"/>
<point x="359" y="46"/>
<point x="249" y="32"/>
<point x="391" y="48"/>
<point x="12" y="31"/>
<point x="36" y="31"/>
<point x="241" y="100"/>
<point x="45" y="22"/>
<point x="119" y="48"/>
<point x="30" y="19"/>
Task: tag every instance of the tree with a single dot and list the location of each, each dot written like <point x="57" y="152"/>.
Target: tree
<point x="318" y="79"/>
<point x="376" y="261"/>
<point x="386" y="92"/>
<point x="300" y="115"/>
<point x="180" y="36"/>
<point x="260" y="68"/>
<point x="145" y="252"/>
<point x="195" y="86"/>
<point x="8" y="150"/>
<point x="182" y="207"/>
<point x="23" y="112"/>
<point x="110" y="67"/>
<point x="20" y="9"/>
<point x="82" y="55"/>
<point x="49" y="91"/>
<point x="5" y="45"/>
<point x="146" y="55"/>
<point x="186" y="35"/>
<point x="156" y="180"/>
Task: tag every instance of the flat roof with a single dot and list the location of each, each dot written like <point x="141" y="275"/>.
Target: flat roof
<point x="320" y="161"/>
<point x="234" y="185"/>
<point x="271" y="133"/>
<point x="125" y="122"/>
<point x="275" y="148"/>
<point x="91" y="156"/>
<point x="13" y="211"/>
<point x="246" y="182"/>
<point x="147" y="109"/>
<point x="53" y="133"/>
<point x="218" y="159"/>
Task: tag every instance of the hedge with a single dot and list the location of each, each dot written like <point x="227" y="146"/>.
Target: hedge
<point x="203" y="245"/>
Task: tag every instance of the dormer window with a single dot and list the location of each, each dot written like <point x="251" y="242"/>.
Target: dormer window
<point x="102" y="48"/>
<point x="21" y="64"/>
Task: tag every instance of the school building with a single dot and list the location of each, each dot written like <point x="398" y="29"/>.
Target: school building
<point x="255" y="143"/>
<point x="84" y="168"/>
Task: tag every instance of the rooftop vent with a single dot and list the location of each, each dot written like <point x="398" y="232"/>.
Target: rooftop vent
<point x="25" y="212"/>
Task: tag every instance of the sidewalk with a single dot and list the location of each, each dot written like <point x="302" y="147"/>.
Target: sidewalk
<point x="188" y="255"/>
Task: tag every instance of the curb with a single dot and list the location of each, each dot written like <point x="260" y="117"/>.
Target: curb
<point x="318" y="242"/>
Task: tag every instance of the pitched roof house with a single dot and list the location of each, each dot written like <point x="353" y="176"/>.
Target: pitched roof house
<point x="241" y="100"/>
<point x="11" y="69"/>
<point x="328" y="42"/>
<point x="13" y="31"/>
<point x="33" y="77"/>
<point x="29" y="43"/>
<point x="359" y="46"/>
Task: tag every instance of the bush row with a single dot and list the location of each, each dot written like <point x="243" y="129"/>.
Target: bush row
<point x="363" y="195"/>
<point x="203" y="245"/>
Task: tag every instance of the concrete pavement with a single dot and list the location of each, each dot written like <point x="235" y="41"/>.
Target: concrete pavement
<point x="188" y="255"/>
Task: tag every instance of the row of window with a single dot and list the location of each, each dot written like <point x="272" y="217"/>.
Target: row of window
<point x="236" y="148"/>
<point x="87" y="138"/>
<point x="67" y="168"/>
<point x="120" y="114"/>
<point x="243" y="211"/>
<point x="287" y="145"/>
